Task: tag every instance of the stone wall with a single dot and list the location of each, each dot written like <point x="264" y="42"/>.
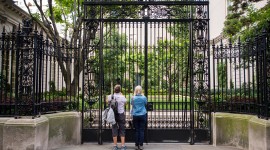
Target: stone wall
<point x="240" y="130"/>
<point x="64" y="129"/>
<point x="28" y="134"/>
<point x="2" y="123"/>
<point x="61" y="129"/>
<point x="259" y="133"/>
<point x="42" y="133"/>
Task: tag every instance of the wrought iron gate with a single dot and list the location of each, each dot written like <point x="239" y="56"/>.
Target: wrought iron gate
<point x="161" y="45"/>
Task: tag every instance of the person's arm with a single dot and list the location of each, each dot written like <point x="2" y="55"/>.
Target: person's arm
<point x="145" y="101"/>
<point x="126" y="101"/>
<point x="109" y="99"/>
<point x="131" y="102"/>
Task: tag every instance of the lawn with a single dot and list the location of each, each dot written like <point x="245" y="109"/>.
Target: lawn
<point x="161" y="102"/>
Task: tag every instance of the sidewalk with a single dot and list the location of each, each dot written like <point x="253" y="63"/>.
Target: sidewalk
<point x="149" y="146"/>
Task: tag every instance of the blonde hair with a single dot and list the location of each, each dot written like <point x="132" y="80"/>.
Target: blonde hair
<point x="138" y="90"/>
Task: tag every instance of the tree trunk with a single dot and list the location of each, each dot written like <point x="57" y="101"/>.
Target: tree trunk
<point x="170" y="88"/>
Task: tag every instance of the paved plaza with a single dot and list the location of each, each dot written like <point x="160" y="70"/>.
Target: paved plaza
<point x="150" y="146"/>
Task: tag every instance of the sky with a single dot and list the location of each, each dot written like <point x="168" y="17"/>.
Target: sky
<point x="217" y="14"/>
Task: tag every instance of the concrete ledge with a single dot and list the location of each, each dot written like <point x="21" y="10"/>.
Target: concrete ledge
<point x="259" y="133"/>
<point x="231" y="129"/>
<point x="64" y="129"/>
<point x="241" y="131"/>
<point x="2" y="122"/>
<point x="47" y="132"/>
<point x="25" y="134"/>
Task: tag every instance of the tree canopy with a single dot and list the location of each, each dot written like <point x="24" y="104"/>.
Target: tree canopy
<point x="69" y="15"/>
<point x="246" y="20"/>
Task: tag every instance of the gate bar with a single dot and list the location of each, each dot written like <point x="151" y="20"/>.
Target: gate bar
<point x="190" y="58"/>
<point x="101" y="79"/>
<point x="146" y="72"/>
<point x="89" y="3"/>
<point x="149" y="20"/>
<point x="209" y="84"/>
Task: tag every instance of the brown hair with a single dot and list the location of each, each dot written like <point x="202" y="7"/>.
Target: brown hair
<point x="117" y="88"/>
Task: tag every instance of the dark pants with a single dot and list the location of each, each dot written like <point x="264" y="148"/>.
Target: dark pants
<point x="139" y="124"/>
<point x="119" y="127"/>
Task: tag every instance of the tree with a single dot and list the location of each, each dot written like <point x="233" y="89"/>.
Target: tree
<point x="70" y="14"/>
<point x="222" y="75"/>
<point x="114" y="46"/>
<point x="173" y="60"/>
<point x="245" y="20"/>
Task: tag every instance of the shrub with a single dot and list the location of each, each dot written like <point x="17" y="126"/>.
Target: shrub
<point x="4" y="86"/>
<point x="52" y="86"/>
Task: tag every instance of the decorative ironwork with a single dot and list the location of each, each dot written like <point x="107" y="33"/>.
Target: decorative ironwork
<point x="137" y="1"/>
<point x="240" y="80"/>
<point x="26" y="59"/>
<point x="32" y="81"/>
<point x="115" y="10"/>
<point x="129" y="38"/>
<point x="200" y="66"/>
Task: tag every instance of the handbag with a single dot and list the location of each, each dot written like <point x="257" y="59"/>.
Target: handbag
<point x="108" y="116"/>
<point x="130" y="122"/>
<point x="149" y="106"/>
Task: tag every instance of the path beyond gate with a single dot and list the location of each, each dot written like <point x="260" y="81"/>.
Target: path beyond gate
<point x="161" y="45"/>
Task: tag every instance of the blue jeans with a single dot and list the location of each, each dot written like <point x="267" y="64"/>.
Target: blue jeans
<point x="139" y="124"/>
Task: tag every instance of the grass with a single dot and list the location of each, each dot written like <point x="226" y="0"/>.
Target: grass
<point x="161" y="102"/>
<point x="163" y="98"/>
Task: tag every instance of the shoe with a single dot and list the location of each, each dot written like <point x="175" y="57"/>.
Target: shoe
<point x="140" y="147"/>
<point x="123" y="148"/>
<point x="115" y="148"/>
<point x="137" y="147"/>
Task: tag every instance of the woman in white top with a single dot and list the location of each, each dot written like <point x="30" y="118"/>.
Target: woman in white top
<point x="120" y="117"/>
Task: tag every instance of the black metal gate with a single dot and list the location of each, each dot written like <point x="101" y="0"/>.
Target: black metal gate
<point x="161" y="45"/>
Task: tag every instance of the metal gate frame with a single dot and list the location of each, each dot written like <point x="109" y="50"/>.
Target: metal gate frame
<point x="198" y="58"/>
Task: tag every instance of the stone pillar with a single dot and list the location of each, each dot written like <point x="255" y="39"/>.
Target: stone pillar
<point x="259" y="134"/>
<point x="214" y="129"/>
<point x="26" y="134"/>
<point x="231" y="130"/>
<point x="64" y="129"/>
<point x="2" y="123"/>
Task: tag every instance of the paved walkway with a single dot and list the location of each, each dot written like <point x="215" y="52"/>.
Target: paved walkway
<point x="150" y="146"/>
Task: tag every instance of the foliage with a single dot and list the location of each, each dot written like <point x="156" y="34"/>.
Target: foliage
<point x="4" y="85"/>
<point x="3" y="82"/>
<point x="69" y="15"/>
<point x="52" y="86"/>
<point x="231" y="84"/>
<point x="219" y="97"/>
<point x="171" y="62"/>
<point x="246" y="20"/>
<point x="222" y="75"/>
<point x="113" y="59"/>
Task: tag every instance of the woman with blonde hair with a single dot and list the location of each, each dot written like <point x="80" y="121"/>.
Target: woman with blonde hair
<point x="138" y="103"/>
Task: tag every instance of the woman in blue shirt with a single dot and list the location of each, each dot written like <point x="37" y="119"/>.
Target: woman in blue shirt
<point x="138" y="103"/>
